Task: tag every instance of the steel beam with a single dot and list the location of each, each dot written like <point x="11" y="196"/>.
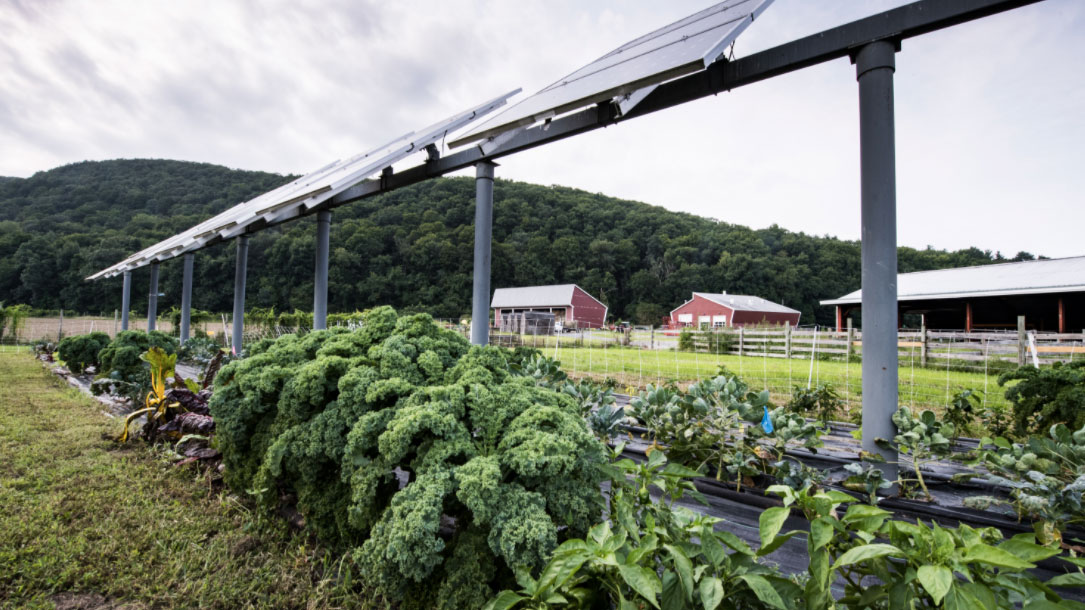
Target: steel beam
<point x="152" y="298"/>
<point x="320" y="279"/>
<point x="874" y="67"/>
<point x="186" y="296"/>
<point x="239" y="293"/>
<point x="484" y="218"/>
<point x="126" y="299"/>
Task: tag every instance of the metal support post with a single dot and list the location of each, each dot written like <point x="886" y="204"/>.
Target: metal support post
<point x="239" y="292"/>
<point x="152" y="298"/>
<point x="874" y="66"/>
<point x="186" y="296"/>
<point x="320" y="279"/>
<point x="126" y="299"/>
<point x="1022" y="341"/>
<point x="484" y="217"/>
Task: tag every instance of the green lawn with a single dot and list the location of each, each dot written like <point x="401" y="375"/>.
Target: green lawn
<point x="83" y="520"/>
<point x="919" y="387"/>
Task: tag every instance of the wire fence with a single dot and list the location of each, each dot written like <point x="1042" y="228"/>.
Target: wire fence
<point x="933" y="366"/>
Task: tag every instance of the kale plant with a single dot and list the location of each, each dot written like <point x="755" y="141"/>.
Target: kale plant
<point x="81" y="351"/>
<point x="1046" y="396"/>
<point x="439" y="467"/>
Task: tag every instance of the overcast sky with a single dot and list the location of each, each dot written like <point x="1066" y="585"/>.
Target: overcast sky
<point x="990" y="125"/>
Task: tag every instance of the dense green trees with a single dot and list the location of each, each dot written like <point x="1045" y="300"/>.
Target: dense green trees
<point x="411" y="248"/>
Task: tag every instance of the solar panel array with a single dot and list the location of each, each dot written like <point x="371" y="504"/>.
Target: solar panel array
<point x="683" y="47"/>
<point x="625" y="75"/>
<point x="301" y="195"/>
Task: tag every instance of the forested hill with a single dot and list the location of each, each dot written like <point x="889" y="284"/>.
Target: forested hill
<point x="411" y="248"/>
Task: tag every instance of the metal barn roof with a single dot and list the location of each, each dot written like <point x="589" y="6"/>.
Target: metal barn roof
<point x="1026" y="277"/>
<point x="744" y="302"/>
<point x="535" y="296"/>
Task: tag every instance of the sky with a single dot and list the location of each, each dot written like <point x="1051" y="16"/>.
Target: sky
<point x="990" y="115"/>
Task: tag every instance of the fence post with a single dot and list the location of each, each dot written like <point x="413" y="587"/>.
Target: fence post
<point x="1022" y="340"/>
<point x="114" y="322"/>
<point x="923" y="346"/>
<point x="60" y="328"/>
<point x="652" y="339"/>
<point x="851" y="341"/>
<point x="787" y="339"/>
<point x="741" y="340"/>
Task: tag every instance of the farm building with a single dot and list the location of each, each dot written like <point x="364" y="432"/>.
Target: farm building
<point x="571" y="305"/>
<point x="1049" y="293"/>
<point x="717" y="310"/>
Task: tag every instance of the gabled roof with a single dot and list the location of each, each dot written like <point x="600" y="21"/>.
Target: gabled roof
<point x="741" y="302"/>
<point x="534" y="296"/>
<point x="1026" y="277"/>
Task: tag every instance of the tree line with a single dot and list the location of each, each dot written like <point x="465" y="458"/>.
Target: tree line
<point x="411" y="248"/>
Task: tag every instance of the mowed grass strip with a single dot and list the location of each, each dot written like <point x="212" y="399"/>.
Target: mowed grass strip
<point x="922" y="388"/>
<point x="85" y="519"/>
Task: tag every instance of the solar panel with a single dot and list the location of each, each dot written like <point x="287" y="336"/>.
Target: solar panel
<point x="683" y="47"/>
<point x="303" y="194"/>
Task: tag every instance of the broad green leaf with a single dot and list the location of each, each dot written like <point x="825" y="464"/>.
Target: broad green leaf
<point x="983" y="553"/>
<point x="647" y="545"/>
<point x="675" y="469"/>
<point x="711" y="592"/>
<point x="1072" y="579"/>
<point x="504" y="601"/>
<point x="776" y="543"/>
<point x="866" y="552"/>
<point x="684" y="567"/>
<point x="642" y="580"/>
<point x="936" y="580"/>
<point x="821" y="532"/>
<point x="711" y="547"/>
<point x="863" y="511"/>
<point x="771" y="522"/>
<point x="734" y="542"/>
<point x="560" y="568"/>
<point x="1027" y="551"/>
<point x="673" y="597"/>
<point x="763" y="590"/>
<point x="959" y="599"/>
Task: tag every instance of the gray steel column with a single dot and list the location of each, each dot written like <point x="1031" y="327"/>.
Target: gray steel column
<point x="320" y="280"/>
<point x="239" y="292"/>
<point x="186" y="296"/>
<point x="152" y="298"/>
<point x="484" y="218"/>
<point x="874" y="66"/>
<point x="126" y="299"/>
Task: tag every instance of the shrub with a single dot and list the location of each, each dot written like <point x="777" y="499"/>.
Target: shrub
<point x="440" y="468"/>
<point x="199" y="349"/>
<point x="81" y="351"/>
<point x="823" y="401"/>
<point x="1046" y="396"/>
<point x="685" y="340"/>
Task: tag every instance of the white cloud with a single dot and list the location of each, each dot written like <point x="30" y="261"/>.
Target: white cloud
<point x="988" y="131"/>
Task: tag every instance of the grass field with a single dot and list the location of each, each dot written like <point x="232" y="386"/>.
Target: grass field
<point x="85" y="523"/>
<point x="919" y="387"/>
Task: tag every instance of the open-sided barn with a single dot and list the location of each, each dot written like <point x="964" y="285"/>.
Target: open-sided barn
<point x="1049" y="293"/>
<point x="571" y="305"/>
<point x="719" y="310"/>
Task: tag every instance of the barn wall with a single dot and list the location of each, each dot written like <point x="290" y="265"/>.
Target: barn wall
<point x="753" y="318"/>
<point x="587" y="311"/>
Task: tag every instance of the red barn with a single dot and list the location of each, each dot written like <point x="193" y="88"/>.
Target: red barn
<point x="571" y="305"/>
<point x="718" y="310"/>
